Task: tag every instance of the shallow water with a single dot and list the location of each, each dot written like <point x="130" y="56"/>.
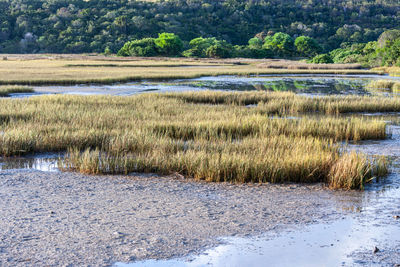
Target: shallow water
<point x="43" y="162"/>
<point x="304" y="84"/>
<point x="368" y="221"/>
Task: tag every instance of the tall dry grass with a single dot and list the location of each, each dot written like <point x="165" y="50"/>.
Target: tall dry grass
<point x="210" y="136"/>
<point x="298" y="65"/>
<point x="384" y="84"/>
<point x="392" y="71"/>
<point x="74" y="71"/>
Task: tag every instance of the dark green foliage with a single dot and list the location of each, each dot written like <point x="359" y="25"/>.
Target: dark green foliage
<point x="388" y="37"/>
<point x="391" y="53"/>
<point x="142" y="48"/>
<point x="63" y="26"/>
<point x="221" y="49"/>
<point x="384" y="52"/>
<point x="322" y="59"/>
<point x="307" y="46"/>
<point x="251" y="52"/>
<point x="199" y="46"/>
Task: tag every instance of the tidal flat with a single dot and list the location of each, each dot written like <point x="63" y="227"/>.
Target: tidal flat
<point x="213" y="170"/>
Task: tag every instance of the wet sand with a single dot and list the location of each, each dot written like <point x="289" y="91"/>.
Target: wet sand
<point x="54" y="218"/>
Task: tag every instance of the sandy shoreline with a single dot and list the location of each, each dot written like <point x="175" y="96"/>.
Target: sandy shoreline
<point x="63" y="218"/>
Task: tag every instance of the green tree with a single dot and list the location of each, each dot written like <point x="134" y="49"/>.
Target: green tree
<point x="322" y="59"/>
<point x="255" y="43"/>
<point x="221" y="49"/>
<point x="307" y="46"/>
<point x="141" y="48"/>
<point x="169" y="44"/>
<point x="199" y="47"/>
<point x="388" y="37"/>
<point x="281" y="43"/>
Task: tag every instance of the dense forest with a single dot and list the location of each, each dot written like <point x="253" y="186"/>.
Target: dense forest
<point x="76" y="26"/>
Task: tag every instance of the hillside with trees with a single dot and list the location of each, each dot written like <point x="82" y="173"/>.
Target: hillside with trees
<point x="77" y="26"/>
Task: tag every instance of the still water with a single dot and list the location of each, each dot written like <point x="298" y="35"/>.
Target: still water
<point x="302" y="84"/>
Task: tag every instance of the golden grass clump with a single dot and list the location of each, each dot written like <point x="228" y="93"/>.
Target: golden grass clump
<point x="353" y="170"/>
<point x="384" y="84"/>
<point x="211" y="136"/>
<point x="392" y="71"/>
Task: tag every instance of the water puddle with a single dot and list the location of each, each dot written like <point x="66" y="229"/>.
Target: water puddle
<point x="42" y="162"/>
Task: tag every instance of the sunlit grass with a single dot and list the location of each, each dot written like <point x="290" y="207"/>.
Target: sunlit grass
<point x="210" y="136"/>
<point x="393" y="71"/>
<point x="385" y="84"/>
<point x="75" y="71"/>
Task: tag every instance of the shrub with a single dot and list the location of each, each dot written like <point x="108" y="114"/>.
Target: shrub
<point x="169" y="44"/>
<point x="142" y="48"/>
<point x="322" y="59"/>
<point x="307" y="46"/>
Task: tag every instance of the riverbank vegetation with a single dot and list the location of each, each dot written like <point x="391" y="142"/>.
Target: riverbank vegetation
<point x="67" y="70"/>
<point x="211" y="136"/>
<point x="383" y="52"/>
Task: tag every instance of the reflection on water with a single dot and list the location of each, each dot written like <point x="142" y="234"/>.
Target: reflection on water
<point x="305" y="84"/>
<point x="42" y="162"/>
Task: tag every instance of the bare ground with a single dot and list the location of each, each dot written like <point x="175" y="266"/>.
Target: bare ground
<point x="66" y="218"/>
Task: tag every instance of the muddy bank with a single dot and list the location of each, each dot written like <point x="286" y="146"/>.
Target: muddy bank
<point x="53" y="218"/>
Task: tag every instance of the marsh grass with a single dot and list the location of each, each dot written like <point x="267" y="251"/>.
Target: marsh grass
<point x="384" y="84"/>
<point x="392" y="71"/>
<point x="288" y="103"/>
<point x="211" y="136"/>
<point x="54" y="71"/>
<point x="176" y="65"/>
<point x="298" y="65"/>
<point x="353" y="170"/>
<point x="5" y="91"/>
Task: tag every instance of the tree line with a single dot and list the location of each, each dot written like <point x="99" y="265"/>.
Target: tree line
<point x="274" y="45"/>
<point x="385" y="51"/>
<point x="78" y="26"/>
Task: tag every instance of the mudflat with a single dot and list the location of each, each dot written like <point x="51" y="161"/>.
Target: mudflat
<point x="55" y="218"/>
